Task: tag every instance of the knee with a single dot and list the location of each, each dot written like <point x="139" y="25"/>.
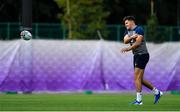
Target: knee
<point x="138" y="79"/>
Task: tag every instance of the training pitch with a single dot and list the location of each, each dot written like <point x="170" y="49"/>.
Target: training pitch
<point x="86" y="102"/>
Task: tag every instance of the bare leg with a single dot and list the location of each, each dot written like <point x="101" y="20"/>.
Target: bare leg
<point x="146" y="83"/>
<point x="138" y="76"/>
<point x="138" y="83"/>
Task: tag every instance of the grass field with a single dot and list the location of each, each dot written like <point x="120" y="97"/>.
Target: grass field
<point x="84" y="102"/>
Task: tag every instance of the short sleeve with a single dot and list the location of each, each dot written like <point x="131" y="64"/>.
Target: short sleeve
<point x="140" y="31"/>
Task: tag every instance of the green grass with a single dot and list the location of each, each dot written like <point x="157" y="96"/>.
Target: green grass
<point x="82" y="102"/>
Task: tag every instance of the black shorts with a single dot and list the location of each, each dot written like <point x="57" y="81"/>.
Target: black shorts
<point x="140" y="61"/>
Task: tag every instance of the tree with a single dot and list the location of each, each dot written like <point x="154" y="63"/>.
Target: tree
<point x="43" y="11"/>
<point x="83" y="17"/>
<point x="152" y="27"/>
<point x="9" y="10"/>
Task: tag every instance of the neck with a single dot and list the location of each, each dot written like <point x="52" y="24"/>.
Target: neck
<point x="134" y="26"/>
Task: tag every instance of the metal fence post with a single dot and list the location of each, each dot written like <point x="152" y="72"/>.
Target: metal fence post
<point x="171" y="33"/>
<point x="64" y="32"/>
<point x="118" y="33"/>
<point x="8" y="31"/>
<point x="36" y="30"/>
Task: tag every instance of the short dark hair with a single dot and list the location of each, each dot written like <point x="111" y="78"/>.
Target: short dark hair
<point x="131" y="18"/>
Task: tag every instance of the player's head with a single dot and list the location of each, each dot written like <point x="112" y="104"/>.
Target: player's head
<point x="129" y="22"/>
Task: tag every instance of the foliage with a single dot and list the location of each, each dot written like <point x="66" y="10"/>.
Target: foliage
<point x="152" y="24"/>
<point x="83" y="17"/>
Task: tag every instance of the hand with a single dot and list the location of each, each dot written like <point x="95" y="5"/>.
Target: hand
<point x="134" y="36"/>
<point x="123" y="50"/>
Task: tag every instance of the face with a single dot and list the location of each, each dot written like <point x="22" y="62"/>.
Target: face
<point x="129" y="24"/>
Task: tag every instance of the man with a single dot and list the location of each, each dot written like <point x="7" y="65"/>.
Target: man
<point x="135" y="36"/>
